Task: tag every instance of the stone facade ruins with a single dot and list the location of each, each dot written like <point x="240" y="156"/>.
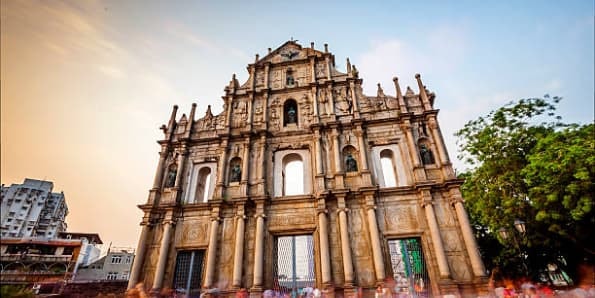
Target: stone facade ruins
<point x="375" y="200"/>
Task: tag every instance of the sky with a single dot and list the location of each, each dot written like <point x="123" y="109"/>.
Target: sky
<point x="85" y="85"/>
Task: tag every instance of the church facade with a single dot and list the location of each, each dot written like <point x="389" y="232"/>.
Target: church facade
<point x="304" y="182"/>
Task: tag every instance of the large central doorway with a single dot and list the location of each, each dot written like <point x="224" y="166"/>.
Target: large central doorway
<point x="294" y="264"/>
<point x="409" y="268"/>
<point x="188" y="272"/>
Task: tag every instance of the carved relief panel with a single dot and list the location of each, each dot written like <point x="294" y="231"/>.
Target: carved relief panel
<point x="239" y="113"/>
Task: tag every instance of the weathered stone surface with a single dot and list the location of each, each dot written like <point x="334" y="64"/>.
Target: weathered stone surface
<point x="240" y="160"/>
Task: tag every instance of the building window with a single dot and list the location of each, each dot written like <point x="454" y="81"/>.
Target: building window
<point x="187" y="274"/>
<point x="124" y="275"/>
<point x="293" y="175"/>
<point x="203" y="186"/>
<point x="116" y="259"/>
<point x="290" y="112"/>
<point x="388" y="168"/>
<point x="128" y="259"/>
<point x="294" y="263"/>
<point x="409" y="268"/>
<point x="235" y="169"/>
<point x="112" y="276"/>
<point x="349" y="159"/>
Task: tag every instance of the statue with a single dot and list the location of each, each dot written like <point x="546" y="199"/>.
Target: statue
<point x="290" y="80"/>
<point x="427" y="157"/>
<point x="171" y="176"/>
<point x="350" y="163"/>
<point x="236" y="173"/>
<point x="291" y="115"/>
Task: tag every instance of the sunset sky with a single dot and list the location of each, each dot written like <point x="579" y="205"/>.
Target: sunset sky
<point x="85" y="85"/>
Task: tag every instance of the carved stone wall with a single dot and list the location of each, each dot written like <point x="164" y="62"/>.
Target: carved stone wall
<point x="296" y="104"/>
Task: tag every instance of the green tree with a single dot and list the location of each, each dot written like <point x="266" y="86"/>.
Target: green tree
<point x="529" y="166"/>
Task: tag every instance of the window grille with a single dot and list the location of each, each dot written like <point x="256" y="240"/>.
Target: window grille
<point x="409" y="268"/>
<point x="188" y="272"/>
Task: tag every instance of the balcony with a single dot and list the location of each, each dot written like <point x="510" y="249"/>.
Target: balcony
<point x="35" y="258"/>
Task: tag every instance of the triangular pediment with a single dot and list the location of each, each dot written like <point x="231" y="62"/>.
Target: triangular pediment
<point x="288" y="51"/>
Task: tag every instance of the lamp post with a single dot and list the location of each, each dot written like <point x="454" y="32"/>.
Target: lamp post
<point x="521" y="228"/>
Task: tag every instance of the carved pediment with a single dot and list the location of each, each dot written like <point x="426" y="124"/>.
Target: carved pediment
<point x="289" y="51"/>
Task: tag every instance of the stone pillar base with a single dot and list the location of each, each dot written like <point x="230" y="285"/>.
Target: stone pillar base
<point x="256" y="292"/>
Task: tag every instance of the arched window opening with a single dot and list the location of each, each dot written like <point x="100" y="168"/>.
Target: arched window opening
<point x="171" y="175"/>
<point x="349" y="159"/>
<point x="235" y="170"/>
<point x="388" y="168"/>
<point x="293" y="175"/>
<point x="203" y="186"/>
<point x="290" y="112"/>
<point x="427" y="157"/>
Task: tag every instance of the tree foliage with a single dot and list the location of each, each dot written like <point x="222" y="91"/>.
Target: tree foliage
<point x="529" y="166"/>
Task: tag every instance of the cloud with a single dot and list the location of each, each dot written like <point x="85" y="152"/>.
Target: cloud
<point x="184" y="33"/>
<point x="437" y="53"/>
<point x="111" y="71"/>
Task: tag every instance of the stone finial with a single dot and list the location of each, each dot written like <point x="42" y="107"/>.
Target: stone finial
<point x="192" y="111"/>
<point x="348" y="66"/>
<point x="326" y="47"/>
<point x="208" y="113"/>
<point x="256" y="58"/>
<point x="172" y="118"/>
<point x="270" y="50"/>
<point x="312" y="45"/>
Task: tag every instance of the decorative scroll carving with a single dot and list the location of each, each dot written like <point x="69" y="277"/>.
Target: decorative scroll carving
<point x="240" y="114"/>
<point x="344" y="105"/>
<point x="459" y="268"/>
<point x="258" y="112"/>
<point x="402" y="218"/>
<point x="306" y="108"/>
<point x="287" y="220"/>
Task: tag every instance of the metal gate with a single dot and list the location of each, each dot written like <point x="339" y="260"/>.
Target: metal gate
<point x="188" y="272"/>
<point x="409" y="268"/>
<point x="294" y="265"/>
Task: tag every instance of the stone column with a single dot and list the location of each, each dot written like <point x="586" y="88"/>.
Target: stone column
<point x="222" y="169"/>
<point x="438" y="141"/>
<point x="468" y="237"/>
<point x="375" y="237"/>
<point x="262" y="158"/>
<point x="212" y="252"/>
<point x="239" y="250"/>
<point x="313" y="69"/>
<point x="435" y="234"/>
<point x="181" y="162"/>
<point x="331" y="100"/>
<point x="363" y="153"/>
<point x="163" y="252"/>
<point x="159" y="173"/>
<point x="318" y="152"/>
<point x="139" y="257"/>
<point x="353" y="99"/>
<point x="325" y="260"/>
<point x="328" y="65"/>
<point x="245" y="168"/>
<point x="336" y="153"/>
<point x="413" y="148"/>
<point x="258" y="252"/>
<point x="346" y="247"/>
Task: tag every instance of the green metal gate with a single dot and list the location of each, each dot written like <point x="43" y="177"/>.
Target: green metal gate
<point x="409" y="268"/>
